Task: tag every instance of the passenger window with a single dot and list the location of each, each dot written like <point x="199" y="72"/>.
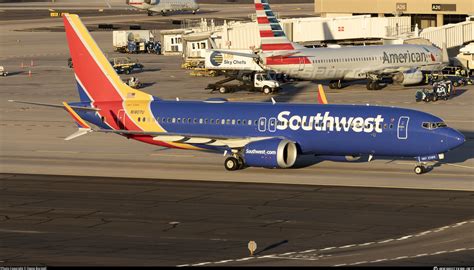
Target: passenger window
<point x="139" y="119"/>
<point x="102" y="118"/>
<point x="212" y="121"/>
<point x="223" y="121"/>
<point x="391" y="126"/>
<point x="228" y="122"/>
<point x="233" y="121"/>
<point x="144" y="119"/>
<point x="201" y="120"/>
<point x="174" y="120"/>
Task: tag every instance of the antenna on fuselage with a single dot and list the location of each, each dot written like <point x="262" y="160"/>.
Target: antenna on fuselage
<point x="273" y="101"/>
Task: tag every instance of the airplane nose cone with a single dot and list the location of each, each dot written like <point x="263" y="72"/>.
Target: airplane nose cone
<point x="453" y="138"/>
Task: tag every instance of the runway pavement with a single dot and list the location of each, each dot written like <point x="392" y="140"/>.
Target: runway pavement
<point x="62" y="220"/>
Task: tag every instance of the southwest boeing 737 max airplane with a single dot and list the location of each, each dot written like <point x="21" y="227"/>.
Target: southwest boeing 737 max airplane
<point x="270" y="135"/>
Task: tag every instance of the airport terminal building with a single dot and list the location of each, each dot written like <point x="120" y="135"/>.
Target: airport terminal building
<point x="425" y="13"/>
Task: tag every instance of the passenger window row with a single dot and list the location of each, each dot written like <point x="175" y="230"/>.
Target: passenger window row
<point x="205" y="121"/>
<point x="346" y="60"/>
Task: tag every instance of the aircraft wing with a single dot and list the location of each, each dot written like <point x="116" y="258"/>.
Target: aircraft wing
<point x="214" y="140"/>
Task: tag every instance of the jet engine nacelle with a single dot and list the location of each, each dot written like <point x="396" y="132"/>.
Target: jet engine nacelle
<point x="409" y="77"/>
<point x="270" y="153"/>
<point x="340" y="158"/>
<point x="151" y="2"/>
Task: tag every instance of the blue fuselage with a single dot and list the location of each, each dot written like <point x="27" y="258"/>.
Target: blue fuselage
<point x="316" y="129"/>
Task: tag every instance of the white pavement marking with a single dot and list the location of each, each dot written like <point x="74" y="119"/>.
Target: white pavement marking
<point x="459" y="249"/>
<point x="366" y="244"/>
<point x="266" y="256"/>
<point x="385" y="241"/>
<point x="420" y="255"/>
<point x="199" y="264"/>
<point x="423" y="233"/>
<point x="348" y="246"/>
<point x="328" y="248"/>
<point x="288" y="253"/>
<point x="311" y="250"/>
<point x="404" y="237"/>
<point x="182" y="265"/>
<point x="439" y="252"/>
<point x="379" y="260"/>
<point x="224" y="261"/>
<point x="342" y="264"/>
<point x="244" y="259"/>
<point x="401" y="257"/>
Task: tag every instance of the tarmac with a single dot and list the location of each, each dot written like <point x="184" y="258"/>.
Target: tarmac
<point x="105" y="200"/>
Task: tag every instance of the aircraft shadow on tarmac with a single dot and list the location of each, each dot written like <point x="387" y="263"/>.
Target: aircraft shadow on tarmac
<point x="290" y="91"/>
<point x="272" y="246"/>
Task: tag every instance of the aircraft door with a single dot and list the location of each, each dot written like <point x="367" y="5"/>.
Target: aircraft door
<point x="402" y="131"/>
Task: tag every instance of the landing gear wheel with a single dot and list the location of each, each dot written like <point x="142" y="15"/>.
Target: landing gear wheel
<point x="267" y="90"/>
<point x="435" y="98"/>
<point x="150" y="13"/>
<point x="420" y="169"/>
<point x="231" y="164"/>
<point x="222" y="90"/>
<point x="335" y="84"/>
<point x="370" y="85"/>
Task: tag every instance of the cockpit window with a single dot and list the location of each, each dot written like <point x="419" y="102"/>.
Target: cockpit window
<point x="433" y="125"/>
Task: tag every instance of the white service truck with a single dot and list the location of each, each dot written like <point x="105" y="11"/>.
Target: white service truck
<point x="132" y="41"/>
<point x="252" y="77"/>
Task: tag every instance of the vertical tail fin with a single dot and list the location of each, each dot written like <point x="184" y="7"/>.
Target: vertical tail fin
<point x="271" y="33"/>
<point x="96" y="78"/>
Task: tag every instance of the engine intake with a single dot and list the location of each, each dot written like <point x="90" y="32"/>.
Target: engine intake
<point x="407" y="78"/>
<point x="270" y="153"/>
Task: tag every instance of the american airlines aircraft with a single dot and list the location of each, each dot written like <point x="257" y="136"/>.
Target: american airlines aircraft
<point x="164" y="6"/>
<point x="404" y="62"/>
<point x="270" y="135"/>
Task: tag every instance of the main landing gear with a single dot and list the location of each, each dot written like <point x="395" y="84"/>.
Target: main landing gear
<point x="234" y="163"/>
<point x="335" y="84"/>
<point x="373" y="81"/>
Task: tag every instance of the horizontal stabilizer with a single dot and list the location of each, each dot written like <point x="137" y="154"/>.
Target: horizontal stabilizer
<point x="79" y="132"/>
<point x="55" y="105"/>
<point x="249" y="55"/>
<point x="279" y="53"/>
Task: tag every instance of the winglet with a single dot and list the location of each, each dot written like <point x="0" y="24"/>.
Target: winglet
<point x="79" y="121"/>
<point x="321" y="95"/>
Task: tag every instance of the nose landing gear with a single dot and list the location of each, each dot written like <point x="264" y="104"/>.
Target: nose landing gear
<point x="422" y="168"/>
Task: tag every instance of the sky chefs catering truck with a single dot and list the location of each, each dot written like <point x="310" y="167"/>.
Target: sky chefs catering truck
<point x="251" y="76"/>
